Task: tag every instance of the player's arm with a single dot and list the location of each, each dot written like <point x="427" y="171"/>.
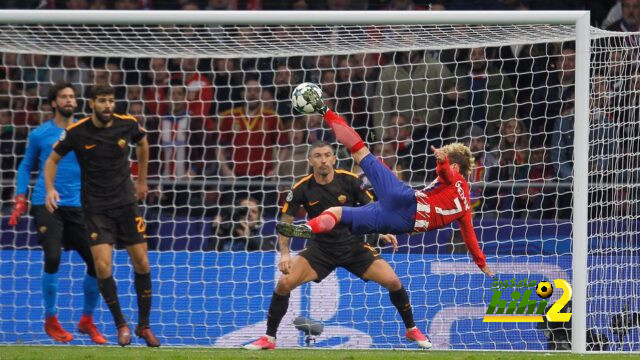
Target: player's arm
<point x="60" y="149"/>
<point x="142" y="154"/>
<point x="50" y="169"/>
<point x="292" y="204"/>
<point x="442" y="166"/>
<point x="22" y="181"/>
<point x="283" y="244"/>
<point x="471" y="241"/>
<point x="283" y="241"/>
<point x="139" y="137"/>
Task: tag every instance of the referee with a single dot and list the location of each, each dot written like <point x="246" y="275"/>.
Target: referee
<point x="101" y="144"/>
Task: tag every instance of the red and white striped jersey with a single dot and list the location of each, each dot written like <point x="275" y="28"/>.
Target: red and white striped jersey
<point x="446" y="200"/>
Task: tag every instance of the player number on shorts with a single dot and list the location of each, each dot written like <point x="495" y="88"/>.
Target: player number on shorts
<point x="451" y="211"/>
<point x="140" y="224"/>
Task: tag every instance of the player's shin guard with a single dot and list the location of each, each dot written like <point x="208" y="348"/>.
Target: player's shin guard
<point x="277" y="310"/>
<point x="344" y="133"/>
<point x="143" y="290"/>
<point x="109" y="293"/>
<point x="323" y="223"/>
<point x="400" y="300"/>
<point x="49" y="293"/>
<point x="91" y="294"/>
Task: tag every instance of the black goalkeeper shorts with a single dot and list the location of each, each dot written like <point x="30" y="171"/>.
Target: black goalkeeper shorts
<point x="64" y="227"/>
<point x="324" y="261"/>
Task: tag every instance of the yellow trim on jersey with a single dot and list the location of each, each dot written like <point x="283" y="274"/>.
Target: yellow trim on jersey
<point x="126" y="117"/>
<point x="340" y="171"/>
<point x="83" y="120"/>
<point x="303" y="180"/>
<point x="368" y="194"/>
<point x="374" y="251"/>
<point x="285" y="207"/>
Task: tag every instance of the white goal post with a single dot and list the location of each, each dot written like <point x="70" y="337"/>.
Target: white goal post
<point x="124" y="34"/>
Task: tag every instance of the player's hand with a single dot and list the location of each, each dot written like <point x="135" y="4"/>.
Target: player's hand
<point x="19" y="208"/>
<point x="390" y="239"/>
<point x="285" y="263"/>
<point x="141" y="190"/>
<point x="487" y="270"/>
<point x="52" y="200"/>
<point x="440" y="155"/>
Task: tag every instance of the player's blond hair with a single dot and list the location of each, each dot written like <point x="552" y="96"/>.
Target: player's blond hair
<point x="460" y="154"/>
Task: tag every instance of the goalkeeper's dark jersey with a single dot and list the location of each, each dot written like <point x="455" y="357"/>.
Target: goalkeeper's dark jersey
<point x="346" y="189"/>
<point x="103" y="155"/>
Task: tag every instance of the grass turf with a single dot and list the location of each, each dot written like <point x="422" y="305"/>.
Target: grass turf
<point x="140" y="353"/>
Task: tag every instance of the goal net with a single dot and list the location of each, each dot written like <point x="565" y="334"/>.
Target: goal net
<point x="226" y="148"/>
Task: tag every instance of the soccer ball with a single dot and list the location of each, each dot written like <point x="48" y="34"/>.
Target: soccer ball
<point x="544" y="289"/>
<point x="304" y="96"/>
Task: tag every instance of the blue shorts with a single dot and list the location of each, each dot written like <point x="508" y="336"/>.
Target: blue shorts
<point x="393" y="213"/>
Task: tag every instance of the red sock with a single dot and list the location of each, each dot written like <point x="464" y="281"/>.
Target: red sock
<point x="323" y="222"/>
<point x="344" y="133"/>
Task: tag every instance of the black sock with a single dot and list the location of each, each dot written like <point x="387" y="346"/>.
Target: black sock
<point x="143" y="290"/>
<point x="109" y="293"/>
<point x="277" y="309"/>
<point x="400" y="300"/>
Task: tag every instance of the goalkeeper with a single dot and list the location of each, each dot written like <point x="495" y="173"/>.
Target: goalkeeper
<point x="64" y="228"/>
<point x="324" y="188"/>
<point x="400" y="209"/>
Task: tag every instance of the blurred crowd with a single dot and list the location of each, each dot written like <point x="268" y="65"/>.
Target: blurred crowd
<point x="600" y="9"/>
<point x="223" y="130"/>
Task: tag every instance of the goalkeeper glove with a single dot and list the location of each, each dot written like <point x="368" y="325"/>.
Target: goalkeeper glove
<point x="19" y="208"/>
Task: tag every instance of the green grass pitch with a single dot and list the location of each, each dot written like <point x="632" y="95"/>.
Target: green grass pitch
<point x="176" y="353"/>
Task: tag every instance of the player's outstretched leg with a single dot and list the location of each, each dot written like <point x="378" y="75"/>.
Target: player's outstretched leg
<point x="320" y="224"/>
<point x="294" y="230"/>
<point x="393" y="213"/>
<point x="300" y="273"/>
<point x="384" y="181"/>
<point x="344" y="133"/>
